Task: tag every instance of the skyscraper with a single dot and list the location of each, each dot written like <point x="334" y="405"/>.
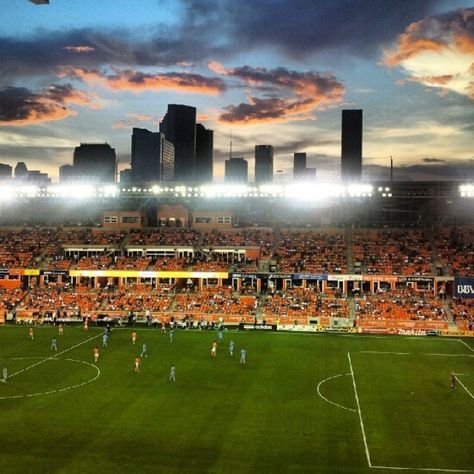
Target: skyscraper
<point x="21" y="171"/>
<point x="351" y="145"/>
<point x="152" y="156"/>
<point x="299" y="164"/>
<point x="66" y="173"/>
<point x="5" y="171"/>
<point x="236" y="170"/>
<point x="95" y="162"/>
<point x="179" y="127"/>
<point x="204" y="153"/>
<point x="263" y="163"/>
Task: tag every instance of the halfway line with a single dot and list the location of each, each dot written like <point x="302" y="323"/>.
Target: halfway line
<point x="358" y="409"/>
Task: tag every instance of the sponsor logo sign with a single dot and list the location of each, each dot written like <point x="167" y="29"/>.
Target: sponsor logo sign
<point x="464" y="287"/>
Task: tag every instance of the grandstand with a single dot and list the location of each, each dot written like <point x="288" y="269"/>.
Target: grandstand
<point x="362" y="279"/>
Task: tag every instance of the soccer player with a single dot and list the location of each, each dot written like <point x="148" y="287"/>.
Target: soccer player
<point x="214" y="349"/>
<point x="138" y="359"/>
<point x="30" y="334"/>
<point x="231" y="348"/>
<point x="54" y="344"/>
<point x="134" y="337"/>
<point x="172" y="377"/>
<point x="163" y="326"/>
<point x="96" y="354"/>
<point x="105" y="339"/>
<point x="243" y="355"/>
<point x="453" y="380"/>
<point x="5" y="375"/>
<point x="61" y="329"/>
<point x="144" y="351"/>
<point x="171" y="335"/>
<point x="220" y="335"/>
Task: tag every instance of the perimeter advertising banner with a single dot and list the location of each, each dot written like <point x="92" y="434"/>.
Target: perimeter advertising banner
<point x="464" y="287"/>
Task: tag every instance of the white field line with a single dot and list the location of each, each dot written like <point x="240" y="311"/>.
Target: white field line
<point x="386" y="352"/>
<point x="326" y="399"/>
<point x="416" y="353"/>
<point x="400" y="468"/>
<point x="426" y="469"/>
<point x="464" y="387"/>
<point x="50" y="392"/>
<point x="367" y="453"/>
<point x="466" y="344"/>
<point x="53" y="356"/>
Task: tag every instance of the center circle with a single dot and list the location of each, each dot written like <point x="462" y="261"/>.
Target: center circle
<point x="60" y="389"/>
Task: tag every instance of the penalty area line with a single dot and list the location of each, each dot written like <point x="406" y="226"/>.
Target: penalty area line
<point x="466" y="344"/>
<point x="326" y="399"/>
<point x="464" y="387"/>
<point x="426" y="469"/>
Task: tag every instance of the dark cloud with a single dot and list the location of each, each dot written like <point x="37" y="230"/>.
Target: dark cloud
<point x="301" y="27"/>
<point x="217" y="29"/>
<point x="458" y="170"/>
<point x="21" y="106"/>
<point x="296" y="94"/>
<point x="433" y="160"/>
<point x="131" y="80"/>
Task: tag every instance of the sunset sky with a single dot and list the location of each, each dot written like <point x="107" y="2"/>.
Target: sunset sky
<point x="266" y="71"/>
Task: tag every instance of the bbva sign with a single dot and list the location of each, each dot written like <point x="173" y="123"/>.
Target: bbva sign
<point x="464" y="287"/>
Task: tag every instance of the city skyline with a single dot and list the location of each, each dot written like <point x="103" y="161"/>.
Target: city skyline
<point x="264" y="72"/>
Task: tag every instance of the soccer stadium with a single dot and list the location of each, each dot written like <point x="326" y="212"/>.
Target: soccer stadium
<point x="218" y="329"/>
<point x="236" y="237"/>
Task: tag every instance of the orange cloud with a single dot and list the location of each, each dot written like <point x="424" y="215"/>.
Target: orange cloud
<point x="203" y="117"/>
<point x="437" y="51"/>
<point x="435" y="80"/>
<point x="19" y="106"/>
<point x="132" y="120"/>
<point x="131" y="80"/>
<point x="408" y="47"/>
<point x="295" y="94"/>
<point x="79" y="49"/>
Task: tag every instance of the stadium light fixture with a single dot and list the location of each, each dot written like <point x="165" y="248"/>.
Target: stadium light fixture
<point x="466" y="190"/>
<point x="71" y="190"/>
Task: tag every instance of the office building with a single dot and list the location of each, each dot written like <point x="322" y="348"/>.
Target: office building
<point x="299" y="164"/>
<point x="263" y="163"/>
<point x="21" y="170"/>
<point x="236" y="170"/>
<point x="152" y="156"/>
<point x="300" y="171"/>
<point x="179" y="127"/>
<point x="126" y="176"/>
<point x="351" y="145"/>
<point x="95" y="162"/>
<point x="5" y="171"/>
<point x="66" y="173"/>
<point x="204" y="154"/>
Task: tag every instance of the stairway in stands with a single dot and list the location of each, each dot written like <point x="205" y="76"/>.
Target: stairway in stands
<point x="348" y="241"/>
<point x="451" y="322"/>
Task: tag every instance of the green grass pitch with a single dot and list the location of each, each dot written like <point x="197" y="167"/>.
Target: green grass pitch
<point x="302" y="403"/>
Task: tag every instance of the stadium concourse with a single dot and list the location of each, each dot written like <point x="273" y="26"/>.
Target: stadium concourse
<point x="346" y="279"/>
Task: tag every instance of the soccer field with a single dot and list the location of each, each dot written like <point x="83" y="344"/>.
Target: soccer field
<point x="302" y="403"/>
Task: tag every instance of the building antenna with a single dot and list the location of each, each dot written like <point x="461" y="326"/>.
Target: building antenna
<point x="230" y="146"/>
<point x="391" y="169"/>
